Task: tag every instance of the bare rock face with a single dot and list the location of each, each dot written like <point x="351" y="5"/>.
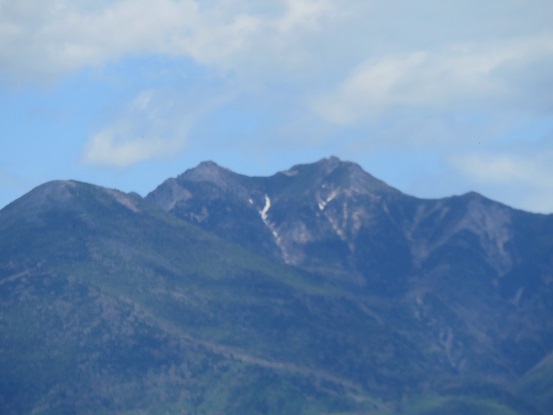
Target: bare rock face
<point x="333" y="217"/>
<point x="296" y="215"/>
<point x="464" y="253"/>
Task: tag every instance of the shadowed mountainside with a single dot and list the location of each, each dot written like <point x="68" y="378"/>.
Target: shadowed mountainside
<point x="317" y="290"/>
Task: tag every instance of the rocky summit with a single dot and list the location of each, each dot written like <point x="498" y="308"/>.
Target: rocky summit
<point x="319" y="289"/>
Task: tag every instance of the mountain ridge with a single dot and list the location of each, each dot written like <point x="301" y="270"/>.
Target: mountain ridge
<point x="316" y="289"/>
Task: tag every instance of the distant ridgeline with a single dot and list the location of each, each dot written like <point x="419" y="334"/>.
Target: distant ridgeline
<point x="317" y="290"/>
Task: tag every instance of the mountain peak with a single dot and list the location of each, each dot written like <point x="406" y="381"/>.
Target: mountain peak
<point x="329" y="162"/>
<point x="346" y="174"/>
<point x="205" y="171"/>
<point x="69" y="195"/>
<point x="55" y="192"/>
<point x="208" y="171"/>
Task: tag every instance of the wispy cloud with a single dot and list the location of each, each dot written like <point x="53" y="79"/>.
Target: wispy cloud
<point x="461" y="77"/>
<point x="507" y="168"/>
<point x="40" y="40"/>
<point x="523" y="178"/>
<point x="113" y="147"/>
<point x="147" y="129"/>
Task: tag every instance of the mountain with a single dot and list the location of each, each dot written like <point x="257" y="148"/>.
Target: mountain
<point x="319" y="289"/>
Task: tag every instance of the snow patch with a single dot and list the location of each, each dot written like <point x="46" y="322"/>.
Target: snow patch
<point x="330" y="198"/>
<point x="265" y="209"/>
<point x="290" y="173"/>
<point x="264" y="213"/>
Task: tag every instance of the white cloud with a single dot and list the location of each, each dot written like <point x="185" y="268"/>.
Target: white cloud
<point x="151" y="126"/>
<point x="111" y="147"/>
<point x="303" y="13"/>
<point x="502" y="168"/>
<point x="47" y="39"/>
<point x="521" y="180"/>
<point x="458" y="76"/>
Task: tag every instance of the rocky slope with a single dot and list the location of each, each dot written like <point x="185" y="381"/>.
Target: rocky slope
<point x="317" y="290"/>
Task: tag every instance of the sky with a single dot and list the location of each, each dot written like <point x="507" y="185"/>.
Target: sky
<point x="436" y="98"/>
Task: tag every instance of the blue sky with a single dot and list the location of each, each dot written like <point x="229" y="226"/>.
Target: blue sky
<point x="434" y="97"/>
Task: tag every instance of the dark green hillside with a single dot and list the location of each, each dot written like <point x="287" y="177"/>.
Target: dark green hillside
<point x="318" y="290"/>
<point x="110" y="306"/>
<point x="132" y="309"/>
